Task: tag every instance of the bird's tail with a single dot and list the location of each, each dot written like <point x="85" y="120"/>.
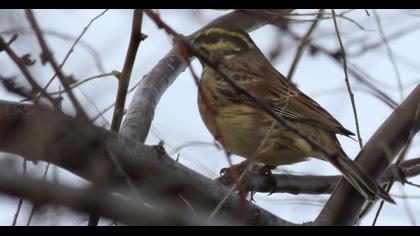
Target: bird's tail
<point x="360" y="180"/>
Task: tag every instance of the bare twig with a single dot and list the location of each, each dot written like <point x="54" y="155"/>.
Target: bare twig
<point x="22" y="67"/>
<point x="24" y="167"/>
<point x="63" y="36"/>
<point x="44" y="176"/>
<point x="124" y="78"/>
<point x="346" y="79"/>
<point x="73" y="46"/>
<point x="80" y="82"/>
<point x="401" y="32"/>
<point x="302" y="45"/>
<point x="390" y="54"/>
<point x="334" y="56"/>
<point x="47" y="55"/>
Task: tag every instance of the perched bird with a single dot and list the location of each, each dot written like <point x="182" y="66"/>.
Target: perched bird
<point x="244" y="129"/>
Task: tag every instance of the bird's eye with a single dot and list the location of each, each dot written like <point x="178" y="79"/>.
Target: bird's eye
<point x="213" y="38"/>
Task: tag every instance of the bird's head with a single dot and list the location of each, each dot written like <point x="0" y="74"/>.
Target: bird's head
<point x="223" y="42"/>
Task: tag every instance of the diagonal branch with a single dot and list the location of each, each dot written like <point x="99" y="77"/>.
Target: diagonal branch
<point x="345" y="204"/>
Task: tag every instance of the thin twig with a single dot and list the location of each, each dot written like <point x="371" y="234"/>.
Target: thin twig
<point x="390" y="54"/>
<point x="193" y="211"/>
<point x="47" y="55"/>
<point x="80" y="82"/>
<point x="24" y="167"/>
<point x="316" y="48"/>
<point x="44" y="176"/>
<point x="124" y="79"/>
<point x="22" y="67"/>
<point x="407" y="207"/>
<point x="63" y="36"/>
<point x="305" y="40"/>
<point x="401" y="32"/>
<point x="72" y="48"/>
<point x="346" y="79"/>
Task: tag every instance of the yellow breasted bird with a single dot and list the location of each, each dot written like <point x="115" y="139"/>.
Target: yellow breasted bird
<point x="244" y="129"/>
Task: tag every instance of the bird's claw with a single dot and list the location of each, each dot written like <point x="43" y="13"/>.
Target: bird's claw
<point x="272" y="181"/>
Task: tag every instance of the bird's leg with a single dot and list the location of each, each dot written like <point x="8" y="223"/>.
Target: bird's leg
<point x="235" y="169"/>
<point x="230" y="175"/>
<point x="266" y="171"/>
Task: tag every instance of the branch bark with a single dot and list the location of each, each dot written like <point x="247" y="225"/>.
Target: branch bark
<point x="345" y="203"/>
<point x="88" y="200"/>
<point x="76" y="145"/>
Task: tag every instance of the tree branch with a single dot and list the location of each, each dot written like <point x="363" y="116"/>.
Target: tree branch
<point x="312" y="184"/>
<point x="84" y="149"/>
<point x="345" y="204"/>
<point x="89" y="200"/>
<point x="124" y="78"/>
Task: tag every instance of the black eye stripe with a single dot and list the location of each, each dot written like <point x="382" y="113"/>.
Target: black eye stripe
<point x="212" y="38"/>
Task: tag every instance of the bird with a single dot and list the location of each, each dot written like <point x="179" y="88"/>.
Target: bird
<point x="243" y="128"/>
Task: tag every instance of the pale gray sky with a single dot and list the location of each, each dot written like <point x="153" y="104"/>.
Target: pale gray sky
<point x="177" y="121"/>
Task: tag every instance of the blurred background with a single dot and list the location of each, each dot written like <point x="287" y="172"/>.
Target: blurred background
<point x="102" y="49"/>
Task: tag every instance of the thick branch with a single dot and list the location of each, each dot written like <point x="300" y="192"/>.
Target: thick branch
<point x="88" y="200"/>
<point x="84" y="149"/>
<point x="345" y="204"/>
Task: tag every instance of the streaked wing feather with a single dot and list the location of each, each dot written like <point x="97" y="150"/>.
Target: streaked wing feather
<point x="285" y="99"/>
<point x="312" y="112"/>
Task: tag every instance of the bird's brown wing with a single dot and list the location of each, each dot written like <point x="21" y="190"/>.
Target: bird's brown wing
<point x="285" y="99"/>
<point x="311" y="111"/>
